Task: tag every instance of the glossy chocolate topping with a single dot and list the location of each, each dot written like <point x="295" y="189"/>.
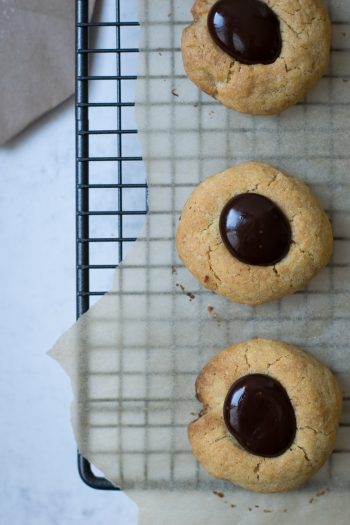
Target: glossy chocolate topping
<point x="259" y="414"/>
<point x="255" y="230"/>
<point x="248" y="30"/>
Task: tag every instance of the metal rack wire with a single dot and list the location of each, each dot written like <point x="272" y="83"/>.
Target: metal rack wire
<point x="84" y="212"/>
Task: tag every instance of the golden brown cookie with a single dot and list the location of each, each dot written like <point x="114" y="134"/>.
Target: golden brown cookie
<point x="280" y="240"/>
<point x="245" y="434"/>
<point x="304" y="32"/>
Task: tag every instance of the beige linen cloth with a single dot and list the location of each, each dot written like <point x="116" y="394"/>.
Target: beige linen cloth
<point x="36" y="60"/>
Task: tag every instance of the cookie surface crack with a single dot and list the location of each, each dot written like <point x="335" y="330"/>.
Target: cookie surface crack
<point x="290" y="27"/>
<point x="257" y="469"/>
<point x="209" y="226"/>
<point x="308" y="253"/>
<point x="246" y="358"/>
<point x="211" y="267"/>
<point x="276" y="361"/>
<point x="275" y="271"/>
<point x="316" y="432"/>
<point x="305" y="453"/>
<point x="225" y="436"/>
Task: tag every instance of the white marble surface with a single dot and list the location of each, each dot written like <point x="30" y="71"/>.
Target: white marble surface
<point x="40" y="483"/>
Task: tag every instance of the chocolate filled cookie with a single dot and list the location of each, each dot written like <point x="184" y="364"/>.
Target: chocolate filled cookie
<point x="257" y="56"/>
<point x="270" y="417"/>
<point x="253" y="234"/>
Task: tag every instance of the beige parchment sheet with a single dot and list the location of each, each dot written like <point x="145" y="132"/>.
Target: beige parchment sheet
<point x="133" y="358"/>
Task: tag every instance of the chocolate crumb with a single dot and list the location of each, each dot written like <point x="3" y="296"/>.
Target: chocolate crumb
<point x="173" y="270"/>
<point x="190" y="296"/>
<point x="256" y="506"/>
<point x="174" y="92"/>
<point x="210" y="309"/>
<point x="206" y="278"/>
<point x="311" y="500"/>
<point x="344" y="34"/>
<point x="267" y="510"/>
<point x="345" y="80"/>
<point x="320" y="493"/>
<point x="195" y="105"/>
<point x="182" y="288"/>
<point x="218" y="493"/>
<point x="250" y="509"/>
<point x="232" y="506"/>
<point x="285" y="510"/>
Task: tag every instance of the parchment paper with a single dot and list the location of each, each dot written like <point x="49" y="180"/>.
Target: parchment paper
<point x="133" y="358"/>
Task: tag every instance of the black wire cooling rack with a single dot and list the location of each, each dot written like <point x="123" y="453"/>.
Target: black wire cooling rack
<point x="85" y="51"/>
<point x="122" y="165"/>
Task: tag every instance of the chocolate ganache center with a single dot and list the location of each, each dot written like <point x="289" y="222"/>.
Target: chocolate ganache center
<point x="255" y="230"/>
<point x="260" y="415"/>
<point x="248" y="30"/>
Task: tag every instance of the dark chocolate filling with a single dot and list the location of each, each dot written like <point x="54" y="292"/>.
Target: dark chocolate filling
<point x="260" y="415"/>
<point x="255" y="230"/>
<point x="248" y="30"/>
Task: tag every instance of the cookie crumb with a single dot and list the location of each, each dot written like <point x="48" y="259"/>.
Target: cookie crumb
<point x="190" y="295"/>
<point x="210" y="309"/>
<point x="345" y="80"/>
<point x="218" y="493"/>
<point x="267" y="510"/>
<point x="173" y="270"/>
<point x="174" y="92"/>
